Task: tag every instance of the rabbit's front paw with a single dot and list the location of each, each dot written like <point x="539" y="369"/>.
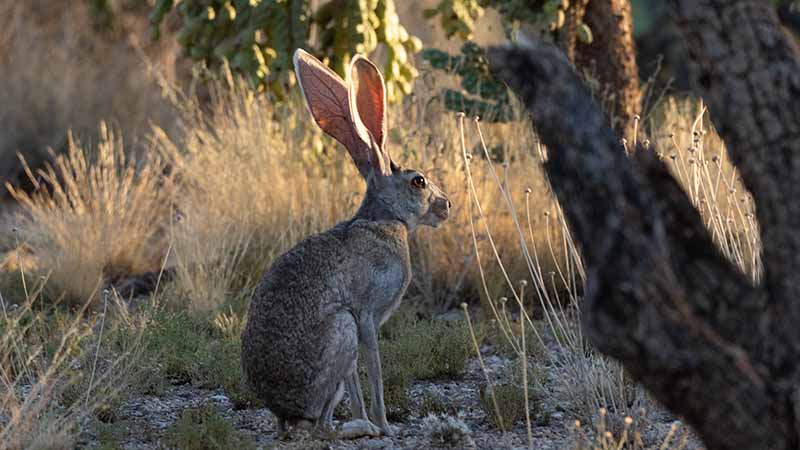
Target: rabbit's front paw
<point x="390" y="430"/>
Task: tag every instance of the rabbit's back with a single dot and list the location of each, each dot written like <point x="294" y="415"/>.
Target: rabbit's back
<point x="290" y="319"/>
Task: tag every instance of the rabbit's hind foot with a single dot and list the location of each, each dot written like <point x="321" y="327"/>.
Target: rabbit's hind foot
<point x="358" y="428"/>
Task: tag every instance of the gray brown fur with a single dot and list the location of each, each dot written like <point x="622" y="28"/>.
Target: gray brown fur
<point x="324" y="300"/>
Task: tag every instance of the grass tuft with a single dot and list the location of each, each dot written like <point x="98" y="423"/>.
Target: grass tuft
<point x="204" y="429"/>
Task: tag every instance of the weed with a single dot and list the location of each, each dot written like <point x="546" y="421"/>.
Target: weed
<point x="445" y="431"/>
<point x="186" y="349"/>
<point x="425" y="349"/>
<point x="419" y="349"/>
<point x="434" y="404"/>
<point x="204" y="429"/>
<point x="511" y="400"/>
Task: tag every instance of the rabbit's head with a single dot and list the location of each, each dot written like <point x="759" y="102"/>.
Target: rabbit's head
<point x="354" y="113"/>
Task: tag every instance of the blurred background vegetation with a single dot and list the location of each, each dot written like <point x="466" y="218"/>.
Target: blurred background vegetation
<point x="141" y="138"/>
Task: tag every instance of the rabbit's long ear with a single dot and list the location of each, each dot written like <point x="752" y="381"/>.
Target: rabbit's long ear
<point x="368" y="110"/>
<point x="327" y="98"/>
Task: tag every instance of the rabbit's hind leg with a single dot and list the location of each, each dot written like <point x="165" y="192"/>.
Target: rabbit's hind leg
<point x="327" y="411"/>
<point x="338" y="359"/>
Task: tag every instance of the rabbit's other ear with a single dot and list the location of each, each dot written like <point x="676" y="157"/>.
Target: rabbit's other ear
<point x="368" y="110"/>
<point x="327" y="99"/>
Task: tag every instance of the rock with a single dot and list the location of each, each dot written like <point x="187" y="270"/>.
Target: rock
<point x="375" y="444"/>
<point x="454" y="315"/>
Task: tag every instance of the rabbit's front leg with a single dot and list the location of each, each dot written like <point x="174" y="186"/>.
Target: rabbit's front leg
<point x="368" y="337"/>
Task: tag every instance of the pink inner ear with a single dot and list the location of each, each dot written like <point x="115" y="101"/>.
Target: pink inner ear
<point x="367" y="84"/>
<point x="368" y="110"/>
<point x="327" y="98"/>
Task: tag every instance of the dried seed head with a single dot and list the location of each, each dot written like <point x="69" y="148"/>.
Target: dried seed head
<point x="461" y="114"/>
<point x="732" y="190"/>
<point x="646" y="143"/>
<point x="672" y="135"/>
<point x="673" y="156"/>
<point x="691" y="160"/>
<point x="523" y="283"/>
<point x="503" y="300"/>
<point x="505" y="164"/>
<point x="624" y="141"/>
<point x="477" y="118"/>
<point x="547" y="213"/>
<point x="469" y="156"/>
<point x="603" y="412"/>
<point x="715" y="158"/>
<point x="628" y="420"/>
<point x="527" y="191"/>
<point x="577" y="424"/>
<point x="464" y="306"/>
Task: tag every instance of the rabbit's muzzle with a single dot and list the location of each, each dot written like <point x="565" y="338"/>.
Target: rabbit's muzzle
<point x="439" y="207"/>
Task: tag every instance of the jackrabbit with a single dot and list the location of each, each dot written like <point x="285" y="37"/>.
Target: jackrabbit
<point x="326" y="297"/>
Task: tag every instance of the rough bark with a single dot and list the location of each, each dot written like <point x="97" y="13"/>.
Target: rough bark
<point x="610" y="59"/>
<point x="711" y="346"/>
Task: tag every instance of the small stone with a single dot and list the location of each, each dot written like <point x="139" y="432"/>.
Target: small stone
<point x="454" y="315"/>
<point x="374" y="444"/>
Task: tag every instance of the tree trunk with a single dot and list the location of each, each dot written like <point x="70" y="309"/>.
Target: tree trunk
<point x="711" y="346"/>
<point x="610" y="58"/>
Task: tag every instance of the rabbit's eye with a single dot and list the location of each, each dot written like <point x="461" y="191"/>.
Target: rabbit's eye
<point x="419" y="182"/>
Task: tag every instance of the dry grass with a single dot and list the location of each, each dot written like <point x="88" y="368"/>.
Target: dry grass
<point x="60" y="74"/>
<point x="697" y="158"/>
<point x="585" y="381"/>
<point x="56" y="372"/>
<point x="94" y="216"/>
<point x="255" y="178"/>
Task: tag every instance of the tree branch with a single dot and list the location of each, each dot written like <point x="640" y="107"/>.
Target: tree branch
<point x="747" y="69"/>
<point x="659" y="296"/>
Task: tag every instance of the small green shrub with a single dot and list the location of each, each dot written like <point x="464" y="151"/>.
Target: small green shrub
<point x="425" y="349"/>
<point x="445" y="431"/>
<point x="204" y="429"/>
<point x="109" y="436"/>
<point x="501" y="340"/>
<point x="511" y="402"/>
<point x="419" y="349"/>
<point x="433" y="404"/>
<point x="185" y="349"/>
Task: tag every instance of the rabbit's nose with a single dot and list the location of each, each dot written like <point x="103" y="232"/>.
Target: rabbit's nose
<point x="441" y="207"/>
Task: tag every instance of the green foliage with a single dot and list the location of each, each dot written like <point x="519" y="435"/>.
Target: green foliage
<point x="204" y="429"/>
<point x="425" y="349"/>
<point x="488" y="97"/>
<point x="433" y="403"/>
<point x="419" y="349"/>
<point x="547" y="17"/>
<point x="457" y="16"/>
<point x="185" y="349"/>
<point x="511" y="398"/>
<point x="259" y="37"/>
<point x="510" y="401"/>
